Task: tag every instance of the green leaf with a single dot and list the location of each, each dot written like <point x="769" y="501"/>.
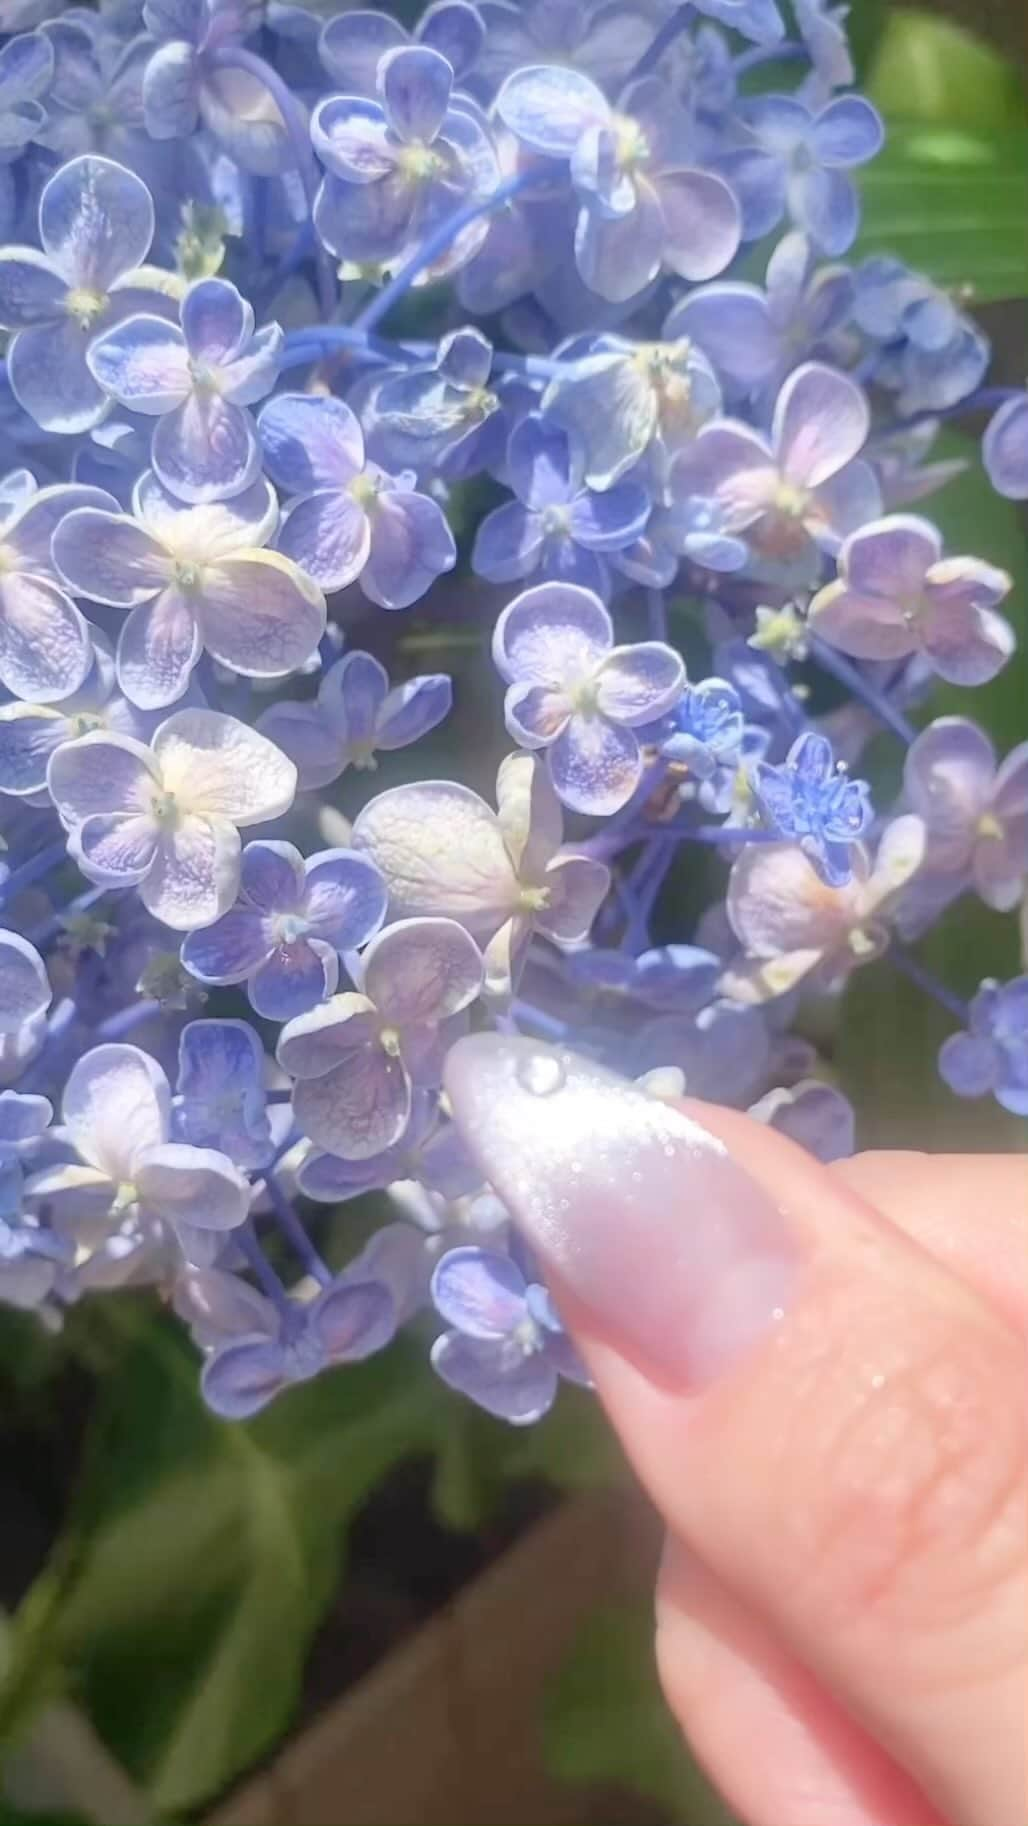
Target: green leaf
<point x="952" y="202"/>
<point x="207" y="1551"/>
<point x="605" y="1720"/>
<point x="927" y="68"/>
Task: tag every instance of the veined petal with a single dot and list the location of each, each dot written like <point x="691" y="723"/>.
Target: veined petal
<point x="441" y="851"/>
<point x="24" y="986"/>
<point x="821" y="422"/>
<point x="116" y="1104"/>
<point x="529" y="814"/>
<point x="359" y="1109"/>
<point x="422" y="971"/>
<point x="260" y="614"/>
<point x="206" y="449"/>
<point x="638" y="684"/>
<point x="702" y="224"/>
<point x="217" y="322"/>
<point x="143" y="362"/>
<point x="577" y="886"/>
<point x="96" y="222"/>
<point x="31" y="290"/>
<point x="109" y="558"/>
<point x="46" y="367"/>
<point x="158" y="647"/>
<point x="551" y="635"/>
<point x="617" y="256"/>
<point x="195" y="871"/>
<point x="310" y="441"/>
<point x="29" y="733"/>
<point x="217" y="766"/>
<point x="230" y="949"/>
<point x="193" y="1186"/>
<point x="116" y="848"/>
<point x="479" y="1291"/>
<point x="414" y="83"/>
<point x="294" y="976"/>
<point x="595" y="765"/>
<point x="329" y="535"/>
<point x="99" y="773"/>
<point x="345" y="898"/>
<point x="548" y="107"/>
<point x="535" y="715"/>
<point x="45" y="649"/>
<point x="411" y="545"/>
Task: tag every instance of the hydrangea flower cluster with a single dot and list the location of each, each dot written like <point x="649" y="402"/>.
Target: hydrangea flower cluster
<point x="293" y="309"/>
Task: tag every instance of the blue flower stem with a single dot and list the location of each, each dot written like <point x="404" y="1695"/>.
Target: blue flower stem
<point x="245" y="1239"/>
<point x="126" y="1020"/>
<point x="436" y="244"/>
<point x="669" y="31"/>
<point x="926" y="979"/>
<point x="294" y="119"/>
<point x="642" y="889"/>
<point x="32" y="870"/>
<point x="831" y="661"/>
<point x="656" y="614"/>
<point x="985" y="399"/>
<point x="294" y="1232"/>
<point x="545" y="1025"/>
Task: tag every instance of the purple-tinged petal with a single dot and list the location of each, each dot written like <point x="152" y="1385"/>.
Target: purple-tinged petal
<point x="618" y="256"/>
<point x="310" y="442"/>
<point x="329" y="535"/>
<point x="326" y="1039"/>
<point x="821" y="421"/>
<point x="969" y="1064"/>
<point x="441" y="851"/>
<point x="551" y="635"/>
<point x="345" y="898"/>
<point x="947" y="778"/>
<point x="272" y="877"/>
<point x="866" y="627"/>
<point x="109" y="558"/>
<point x="732" y="325"/>
<point x="144" y="363"/>
<point x="240" y="1379"/>
<point x="577" y="887"/>
<point x="100" y="773"/>
<point x="24" y="988"/>
<point x="216" y="321"/>
<point x="609" y="521"/>
<point x="422" y="971"/>
<point x="196" y="1186"/>
<point x="304" y="735"/>
<point x="195" y="873"/>
<point x="1005" y="449"/>
<point x="358" y="1109"/>
<point x="171" y="88"/>
<point x="637" y="684"/>
<point x="352" y="44"/>
<point x="843" y="504"/>
<point x="351" y="137"/>
<point x="294" y="977"/>
<point x="114" y="849"/>
<point x="730" y="463"/>
<point x="414" y="84"/>
<point x="499" y="1377"/>
<point x="353" y="1319"/>
<point x="412" y="709"/>
<point x="351" y="694"/>
<point x="260" y="614"/>
<point x="29" y="733"/>
<point x="456" y="30"/>
<point x="966" y="644"/>
<point x="206" y="449"/>
<point x="847" y="132"/>
<point x="548" y="107"/>
<point x="411" y="545"/>
<point x="117" y="1102"/>
<point x="49" y="378"/>
<point x="96" y="222"/>
<point x="535" y="714"/>
<point x="31" y="292"/>
<point x="539" y="462"/>
<point x="826" y="205"/>
<point x="229" y="950"/>
<point x="479" y="1291"/>
<point x="239" y="111"/>
<point x="45" y="649"/>
<point x="815" y="1115"/>
<point x="758" y="182"/>
<point x="158" y="647"/>
<point x="28" y="534"/>
<point x="509" y="543"/>
<point x="702" y="223"/>
<point x="222" y="768"/>
<point x="891" y="557"/>
<point x="595" y="765"/>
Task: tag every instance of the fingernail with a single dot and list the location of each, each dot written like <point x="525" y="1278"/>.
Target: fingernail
<point x="682" y="1259"/>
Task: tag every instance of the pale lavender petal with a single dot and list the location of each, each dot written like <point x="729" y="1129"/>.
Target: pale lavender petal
<point x="890" y="557"/>
<point x="49" y="377"/>
<point x="479" y="1291"/>
<point x="351" y="694"/>
<point x="310" y="441"/>
<point x="329" y="534"/>
<point x="351" y="45"/>
<point x="239" y="1380"/>
<point x="821" y="421"/>
<point x="195" y="873"/>
<point x="509" y="543"/>
<point x="109" y="558"/>
<point x="207" y="449"/>
<point x="548" y="107"/>
<point x="500" y="1377"/>
<point x="535" y="715"/>
<point x="171" y="87"/>
<point x="826" y="205"/>
<point x="551" y="635"/>
<point x="637" y="684"/>
<point x="101" y="773"/>
<point x="422" y="971"/>
<point x="28" y="535"/>
<point x="116" y="1104"/>
<point x="260" y="614"/>
<point x="28" y="736"/>
<point x="304" y="734"/>
<point x="1005" y="449"/>
<point x="947" y="777"/>
<point x="31" y="292"/>
<point x="228" y="950"/>
<point x="609" y="521"/>
<point x="358" y="1109"/>
<point x="216" y="321"/>
<point x="353" y="1320"/>
<point x="24" y="987"/>
<point x="158" y="647"/>
<point x="867" y="627"/>
<point x="45" y="649"/>
<point x="732" y="325"/>
<point x="595" y="765"/>
<point x="847" y="132"/>
<point x="272" y="877"/>
<point x="966" y="644"/>
<point x="577" y="887"/>
<point x="617" y="256"/>
<point x="846" y="502"/>
<point x="223" y="768"/>
<point x="112" y="847"/>
<point x="240" y="112"/>
<point x="96" y="222"/>
<point x="414" y="83"/>
<point x="294" y="977"/>
<point x="411" y="545"/>
<point x="412" y="709"/>
<point x="351" y="137"/>
<point x="144" y="363"/>
<point x="968" y="1063"/>
<point x="539" y="462"/>
<point x="345" y="898"/>
<point x="702" y="223"/>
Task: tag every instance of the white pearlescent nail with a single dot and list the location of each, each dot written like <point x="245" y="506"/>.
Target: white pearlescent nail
<point x="681" y="1258"/>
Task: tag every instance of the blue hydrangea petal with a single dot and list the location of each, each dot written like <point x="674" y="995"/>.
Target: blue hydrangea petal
<point x="969" y="1064"/>
<point x="826" y="205"/>
<point x="618" y="256"/>
<point x="414" y="83"/>
<point x="252" y="374"/>
<point x="353" y="1319"/>
<point x="966" y="641"/>
<point x="240" y="112"/>
<point x="422" y="971"/>
<point x="96" y="222"/>
<point x="116" y="849"/>
<point x="26" y="68"/>
<point x="260" y="614"/>
<point x="345" y="898"/>
<point x="758" y="182"/>
<point x="47" y="371"/>
<point x="540" y="466"/>
<point x="101" y="773"/>
<point x="702" y="223"/>
<point x="595" y="765"/>
<point x="637" y="684"/>
<point x="499" y="1377"/>
<point x="890" y="558"/>
<point x="535" y="715"/>
<point x="607" y="403"/>
<point x="45" y="649"/>
<point x="143" y="362"/>
<point x="731" y="323"/>
<point x="329" y="535"/>
<point x="352" y="44"/>
<point x="456" y="30"/>
<point x="411" y="545"/>
<point x="272" y="877"/>
<point x="29" y="733"/>
<point x="412" y="709"/>
<point x="171" y="91"/>
<point x="509" y="543"/>
<point x="351" y="694"/>
<point x="847" y="132"/>
<point x="548" y="107"/>
<point x="304" y="734"/>
<point x="478" y="1291"/>
<point x="310" y="442"/>
<point x="821" y="421"/>
<point x="577" y="886"/>
<point x="351" y="138"/>
<point x="370" y="222"/>
<point x="1005" y="449"/>
<point x="609" y="521"/>
<point x="116" y="1104"/>
<point x="194" y="874"/>
<point x="230" y="949"/>
<point x="551" y="635"/>
<point x="217" y="322"/>
<point x="159" y="644"/>
<point x="31" y="291"/>
<point x="206" y="449"/>
<point x="24" y="987"/>
<point x="241" y="1378"/>
<point x="295" y="976"/>
<point x="110" y="558"/>
<point x="28" y="534"/>
<point x="221" y="1065"/>
<point x="23" y="1117"/>
<point x="357" y="1110"/>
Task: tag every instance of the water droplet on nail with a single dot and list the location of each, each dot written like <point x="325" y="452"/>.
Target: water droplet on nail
<point x="541" y="1074"/>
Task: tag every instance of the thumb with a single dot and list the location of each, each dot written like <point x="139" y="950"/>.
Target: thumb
<point x="821" y="1412"/>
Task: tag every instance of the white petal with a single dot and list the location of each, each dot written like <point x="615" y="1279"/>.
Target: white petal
<point x="117" y="1102"/>
<point x="218" y="767"/>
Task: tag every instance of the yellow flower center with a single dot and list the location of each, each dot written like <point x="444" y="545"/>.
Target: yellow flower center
<point x="85" y="306"/>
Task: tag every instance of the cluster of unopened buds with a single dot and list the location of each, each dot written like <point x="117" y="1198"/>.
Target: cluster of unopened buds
<point x="230" y="976"/>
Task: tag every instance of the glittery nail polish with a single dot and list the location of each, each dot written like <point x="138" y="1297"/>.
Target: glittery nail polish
<point x="682" y="1260"/>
